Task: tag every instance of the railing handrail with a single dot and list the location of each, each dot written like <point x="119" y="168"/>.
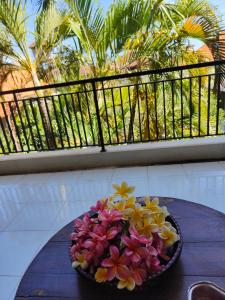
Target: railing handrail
<point x="114" y="77"/>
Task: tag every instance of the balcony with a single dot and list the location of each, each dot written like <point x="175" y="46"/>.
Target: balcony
<point x="136" y="120"/>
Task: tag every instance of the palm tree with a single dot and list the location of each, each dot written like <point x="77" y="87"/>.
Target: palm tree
<point x="49" y="31"/>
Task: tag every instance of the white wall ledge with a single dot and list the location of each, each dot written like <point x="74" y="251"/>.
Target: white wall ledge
<point x="197" y="149"/>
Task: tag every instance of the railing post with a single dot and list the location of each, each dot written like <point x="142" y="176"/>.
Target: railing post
<point x="98" y="117"/>
<point x="218" y="75"/>
<point x="218" y="81"/>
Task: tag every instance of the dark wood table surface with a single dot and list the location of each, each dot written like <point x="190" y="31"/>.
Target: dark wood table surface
<point x="51" y="277"/>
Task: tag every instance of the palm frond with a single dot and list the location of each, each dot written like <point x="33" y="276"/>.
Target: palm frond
<point x="147" y="52"/>
<point x="86" y="23"/>
<point x="124" y="18"/>
<point x="12" y="17"/>
<point x="200" y="21"/>
<point x="51" y="28"/>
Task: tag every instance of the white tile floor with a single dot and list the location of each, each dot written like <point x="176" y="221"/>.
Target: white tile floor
<point x="34" y="207"/>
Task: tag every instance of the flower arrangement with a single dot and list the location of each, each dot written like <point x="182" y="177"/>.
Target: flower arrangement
<point x="121" y="240"/>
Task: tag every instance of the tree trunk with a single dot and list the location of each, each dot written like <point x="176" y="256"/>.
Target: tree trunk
<point x="14" y="134"/>
<point x="44" y="114"/>
<point x="9" y="126"/>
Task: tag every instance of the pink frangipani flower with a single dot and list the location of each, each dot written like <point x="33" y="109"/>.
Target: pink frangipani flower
<point x="159" y="245"/>
<point x="95" y="245"/>
<point x="76" y="247"/>
<point x="100" y="205"/>
<point x="133" y="249"/>
<point x="116" y="264"/>
<point x="139" y="274"/>
<point x="86" y="221"/>
<point x="101" y="232"/>
<point x="155" y="265"/>
<point x="98" y="240"/>
<point x="109" y="216"/>
<point x="83" y="226"/>
<point x="140" y="238"/>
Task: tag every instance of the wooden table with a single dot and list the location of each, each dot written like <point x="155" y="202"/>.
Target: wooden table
<point x="51" y="277"/>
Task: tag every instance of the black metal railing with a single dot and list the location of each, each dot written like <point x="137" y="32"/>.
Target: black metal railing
<point x="166" y="104"/>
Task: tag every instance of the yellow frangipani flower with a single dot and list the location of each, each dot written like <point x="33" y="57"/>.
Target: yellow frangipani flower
<point x="101" y="275"/>
<point x="169" y="235"/>
<point x="123" y="190"/>
<point x="159" y="219"/>
<point x="120" y="205"/>
<point x="128" y="283"/>
<point x="80" y="262"/>
<point x="148" y="227"/>
<point x="130" y="203"/>
<point x="152" y="205"/>
<point x="110" y="203"/>
<point x="111" y="198"/>
<point x="164" y="211"/>
<point x="135" y="215"/>
<point x="123" y="204"/>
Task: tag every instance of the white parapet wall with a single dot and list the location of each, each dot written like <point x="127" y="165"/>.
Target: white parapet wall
<point x="197" y="149"/>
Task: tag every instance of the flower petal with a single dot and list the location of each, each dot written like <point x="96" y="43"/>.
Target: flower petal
<point x="112" y="232"/>
<point x="125" y="240"/>
<point x="101" y="275"/>
<point x="75" y="264"/>
<point x="122" y="272"/>
<point x="88" y="244"/>
<point x="114" y="252"/>
<point x="107" y="262"/>
<point x="111" y="273"/>
<point x="123" y="260"/>
<point x="84" y="265"/>
<point x="116" y="187"/>
<point x="143" y="252"/>
<point x="155" y="201"/>
<point x="137" y="278"/>
<point x="121" y="284"/>
<point x="131" y="284"/>
<point x="135" y="257"/>
<point x="152" y="251"/>
<point x="99" y="249"/>
<point x="128" y="252"/>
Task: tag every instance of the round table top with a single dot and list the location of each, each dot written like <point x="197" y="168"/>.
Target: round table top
<point x="50" y="275"/>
